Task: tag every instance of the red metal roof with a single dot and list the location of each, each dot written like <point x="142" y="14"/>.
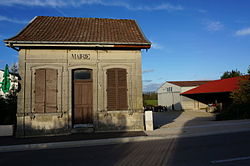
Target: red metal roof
<point x="217" y="86"/>
<point x="188" y="83"/>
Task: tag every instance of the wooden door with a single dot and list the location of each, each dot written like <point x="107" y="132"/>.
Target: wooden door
<point x="83" y="97"/>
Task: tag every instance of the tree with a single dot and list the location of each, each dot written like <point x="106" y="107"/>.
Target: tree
<point x="248" y="70"/>
<point x="14" y="68"/>
<point x="230" y="74"/>
<point x="8" y="109"/>
<point x="242" y="95"/>
<point x="240" y="108"/>
<point x="14" y="79"/>
<point x="8" y="103"/>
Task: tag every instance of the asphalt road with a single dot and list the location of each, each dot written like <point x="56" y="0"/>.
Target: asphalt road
<point x="218" y="150"/>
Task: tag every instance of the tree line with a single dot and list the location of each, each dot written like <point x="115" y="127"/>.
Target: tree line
<point x="150" y="96"/>
<point x="234" y="73"/>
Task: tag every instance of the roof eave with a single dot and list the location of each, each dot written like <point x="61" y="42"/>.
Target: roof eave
<point x="205" y="93"/>
<point x="11" y="43"/>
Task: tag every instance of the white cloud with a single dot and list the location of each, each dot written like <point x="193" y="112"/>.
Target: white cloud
<point x="152" y="87"/>
<point x="243" y="32"/>
<point x="3" y="18"/>
<point x="53" y="3"/>
<point x="148" y="71"/>
<point x="147" y="80"/>
<point x="164" y="6"/>
<point x="78" y="3"/>
<point x="214" y="25"/>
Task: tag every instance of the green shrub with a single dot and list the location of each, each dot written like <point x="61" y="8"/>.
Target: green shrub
<point x="8" y="107"/>
<point x="235" y="111"/>
<point x="240" y="108"/>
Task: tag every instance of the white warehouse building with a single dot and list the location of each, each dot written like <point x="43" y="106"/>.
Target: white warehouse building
<point x="169" y="95"/>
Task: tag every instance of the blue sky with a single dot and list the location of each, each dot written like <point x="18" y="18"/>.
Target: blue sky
<point x="192" y="39"/>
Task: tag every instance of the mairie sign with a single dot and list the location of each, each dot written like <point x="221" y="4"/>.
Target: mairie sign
<point x="6" y="81"/>
<point x="81" y="56"/>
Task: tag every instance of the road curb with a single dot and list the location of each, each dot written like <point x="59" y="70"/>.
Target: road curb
<point x="110" y="141"/>
<point x="218" y="123"/>
<point x="74" y="144"/>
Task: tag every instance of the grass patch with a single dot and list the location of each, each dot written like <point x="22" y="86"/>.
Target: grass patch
<point x="151" y="102"/>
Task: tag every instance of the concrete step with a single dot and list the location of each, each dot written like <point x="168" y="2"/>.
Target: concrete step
<point x="82" y="130"/>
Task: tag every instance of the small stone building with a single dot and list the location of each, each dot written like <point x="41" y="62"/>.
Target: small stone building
<point x="169" y="95"/>
<point x="79" y="75"/>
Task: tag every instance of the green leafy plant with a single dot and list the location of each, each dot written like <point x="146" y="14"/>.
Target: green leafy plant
<point x="230" y="74"/>
<point x="240" y="108"/>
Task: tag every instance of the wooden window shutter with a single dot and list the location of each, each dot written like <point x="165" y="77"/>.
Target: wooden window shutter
<point x="117" y="89"/>
<point x="45" y="90"/>
<point x="122" y="89"/>
<point x="40" y="90"/>
<point x="51" y="90"/>
<point x="111" y="89"/>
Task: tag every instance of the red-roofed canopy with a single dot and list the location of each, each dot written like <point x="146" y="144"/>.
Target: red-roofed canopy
<point x="217" y="86"/>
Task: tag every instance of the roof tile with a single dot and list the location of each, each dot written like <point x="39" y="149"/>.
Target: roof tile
<point x="86" y="30"/>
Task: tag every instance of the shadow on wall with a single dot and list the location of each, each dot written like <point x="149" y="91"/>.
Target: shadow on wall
<point x="133" y="121"/>
<point x="110" y="122"/>
<point x="42" y="125"/>
<point x="164" y="118"/>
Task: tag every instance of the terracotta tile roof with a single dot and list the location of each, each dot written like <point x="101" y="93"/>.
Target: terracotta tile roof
<point x="188" y="83"/>
<point x="217" y="86"/>
<point x="81" y="30"/>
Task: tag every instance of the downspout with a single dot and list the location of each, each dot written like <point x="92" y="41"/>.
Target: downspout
<point x="96" y="119"/>
<point x="24" y="83"/>
<point x="70" y="123"/>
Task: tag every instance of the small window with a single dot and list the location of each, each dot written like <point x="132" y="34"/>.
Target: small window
<point x="82" y="74"/>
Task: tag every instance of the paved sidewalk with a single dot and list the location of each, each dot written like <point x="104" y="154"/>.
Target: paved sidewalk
<point x="213" y="127"/>
<point x="171" y="119"/>
<point x="4" y="141"/>
<point x="10" y="144"/>
<point x="193" y="123"/>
